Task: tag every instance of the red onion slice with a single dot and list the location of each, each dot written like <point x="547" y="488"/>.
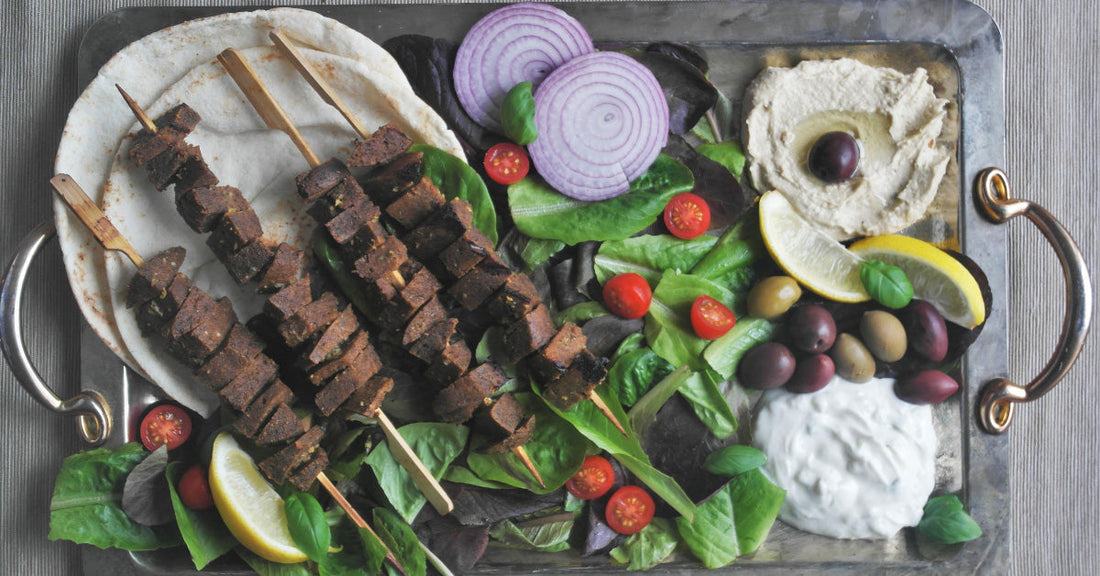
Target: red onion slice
<point x="517" y="43"/>
<point x="602" y="121"/>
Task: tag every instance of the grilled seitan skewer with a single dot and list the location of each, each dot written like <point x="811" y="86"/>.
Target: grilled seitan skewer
<point x="332" y="345"/>
<point x="169" y="305"/>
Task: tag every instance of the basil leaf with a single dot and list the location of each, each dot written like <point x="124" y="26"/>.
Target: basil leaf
<point x="650" y="256"/>
<point x="205" y="534"/>
<point x="712" y="537"/>
<point x="401" y="541"/>
<point x="85" y="505"/>
<point x="945" y="520"/>
<point x="734" y="460"/>
<point x="648" y="547"/>
<point x="436" y="444"/>
<point x="265" y="567"/>
<point x="456" y="179"/>
<point x="542" y="212"/>
<point x="308" y="528"/>
<point x="517" y="114"/>
<point x="888" y="285"/>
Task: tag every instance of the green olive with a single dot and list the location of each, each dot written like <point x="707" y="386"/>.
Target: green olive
<point x="884" y="335"/>
<point x="853" y="361"/>
<point x="773" y="296"/>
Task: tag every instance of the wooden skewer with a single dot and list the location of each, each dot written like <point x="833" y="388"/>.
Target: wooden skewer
<point x="602" y="407"/>
<point x="96" y="221"/>
<point x="325" y="91"/>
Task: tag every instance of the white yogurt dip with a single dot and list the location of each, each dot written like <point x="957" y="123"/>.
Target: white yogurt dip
<point x="856" y="461"/>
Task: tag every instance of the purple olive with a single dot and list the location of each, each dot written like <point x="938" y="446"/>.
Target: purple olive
<point x="811" y="374"/>
<point x="834" y="157"/>
<point x="927" y="330"/>
<point x="927" y="387"/>
<point x="765" y="366"/>
<point x="811" y="328"/>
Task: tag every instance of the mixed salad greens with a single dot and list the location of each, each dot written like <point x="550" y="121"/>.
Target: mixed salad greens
<point x="676" y="392"/>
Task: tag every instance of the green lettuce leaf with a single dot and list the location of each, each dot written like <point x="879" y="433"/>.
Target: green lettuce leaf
<point x="580" y="313"/>
<point x="756" y="504"/>
<point x="436" y="444"/>
<point x="401" y="540"/>
<point x="712" y="537"/>
<point x="456" y="179"/>
<point x="648" y="547"/>
<point x="548" y="533"/>
<point x="635" y="372"/>
<point x="86" y="504"/>
<point x="206" y="536"/>
<point x="710" y="406"/>
<point x="723" y="354"/>
<point x="668" y="321"/>
<point x="650" y="256"/>
<point x="728" y="154"/>
<point x="542" y="212"/>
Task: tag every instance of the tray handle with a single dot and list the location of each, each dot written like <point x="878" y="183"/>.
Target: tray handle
<point x="999" y="396"/>
<point x="92" y="412"/>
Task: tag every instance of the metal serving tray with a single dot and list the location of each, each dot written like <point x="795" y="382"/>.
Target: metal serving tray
<point x="956" y="41"/>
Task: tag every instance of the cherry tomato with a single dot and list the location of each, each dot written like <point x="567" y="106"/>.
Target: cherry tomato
<point x="629" y="510"/>
<point x="194" y="489"/>
<point x="165" y="424"/>
<point x="627" y="295"/>
<point x="507" y="163"/>
<point x="710" y="318"/>
<point x="687" y="215"/>
<point x="593" y="480"/>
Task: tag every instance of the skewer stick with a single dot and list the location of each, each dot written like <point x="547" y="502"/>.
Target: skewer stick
<point x="320" y="85"/>
<point x="325" y="91"/>
<point x="404" y="455"/>
<point x="111" y="239"/>
<point x="602" y="407"/>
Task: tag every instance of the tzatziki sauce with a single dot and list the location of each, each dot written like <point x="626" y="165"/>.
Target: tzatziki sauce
<point x="856" y="461"/>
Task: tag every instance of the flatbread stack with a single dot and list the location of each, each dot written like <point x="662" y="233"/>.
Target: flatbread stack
<point x="178" y="65"/>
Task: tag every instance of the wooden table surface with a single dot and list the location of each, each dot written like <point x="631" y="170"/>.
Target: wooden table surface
<point x="1053" y="132"/>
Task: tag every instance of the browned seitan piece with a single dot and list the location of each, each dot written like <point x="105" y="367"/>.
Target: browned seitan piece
<point x="240" y="391"/>
<point x="317" y="181"/>
<point x="465" y="252"/>
<point x="194" y="347"/>
<point x="357" y="353"/>
<point x="385" y="184"/>
<point x="500" y="418"/>
<point x="583" y="375"/>
<point x="172" y="127"/>
<point x="193" y="310"/>
<point x="256" y="414"/>
<point x="520" y="436"/>
<point x="432" y="344"/>
<point x="381" y="147"/>
<point x="345" y="194"/>
<point x="303" y="477"/>
<point x="368" y="399"/>
<point x="514" y="299"/>
<point x="554" y="359"/>
<point x="279" y="466"/>
<point x="327" y="345"/>
<point x="420" y="287"/>
<point x="203" y="206"/>
<point x="381" y="259"/>
<point x="357" y="228"/>
<point x="479" y="284"/>
<point x="154" y="316"/>
<point x="283" y="425"/>
<point x="246" y="263"/>
<point x="456" y="403"/>
<point x="285" y="268"/>
<point x="339" y="389"/>
<point x="194" y="173"/>
<point x="526" y="335"/>
<point x="419" y="201"/>
<point x="154" y="275"/>
<point x="234" y="231"/>
<point x="289" y="300"/>
<point x="240" y="348"/>
<point x="427" y="316"/>
<point x="441" y="229"/>
<point x="309" y="319"/>
<point x="451" y="363"/>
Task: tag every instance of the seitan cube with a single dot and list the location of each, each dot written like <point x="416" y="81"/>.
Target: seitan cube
<point x="203" y="206"/>
<point x="289" y="300"/>
<point x="449" y="364"/>
<point x="162" y="168"/>
<point x="194" y="308"/>
<point x="234" y="231"/>
<point x="194" y="347"/>
<point x="554" y="359"/>
<point x="246" y="263"/>
<point x="339" y="389"/>
<point x="286" y="265"/>
<point x="328" y="343"/>
<point x="366" y="400"/>
<point x="465" y="252"/>
<point x="256" y="414"/>
<point x="345" y="194"/>
<point x="526" y="335"/>
<point x="194" y="173"/>
<point x="437" y="232"/>
<point x="500" y="418"/>
<point x="428" y="314"/>
<point x="382" y="259"/>
<point x="420" y="287"/>
<point x="279" y="465"/>
<point x="357" y="353"/>
<point x="479" y="284"/>
<point x="238" y="351"/>
<point x="308" y="320"/>
<point x="153" y="277"/>
<point x="456" y="403"/>
<point x="240" y="391"/>
<point x="522" y="435"/>
<point x="432" y="344"/>
<point x="584" y="374"/>
<point x="317" y="181"/>
<point x="284" y="425"/>
<point x="303" y="477"/>
<point x="514" y="299"/>
<point x="419" y="201"/>
<point x="387" y="143"/>
<point x="357" y="228"/>
<point x="386" y="183"/>
<point x="156" y="315"/>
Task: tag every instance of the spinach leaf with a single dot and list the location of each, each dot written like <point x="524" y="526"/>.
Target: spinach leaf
<point x="756" y="504"/>
<point x="85" y="507"/>
<point x="710" y="406"/>
<point x="635" y="372"/>
<point x="306" y="522"/>
<point x="579" y="313"/>
<point x="463" y="475"/>
<point x="374" y="550"/>
<point x="265" y="567"/>
<point x="517" y="114"/>
<point x="145" y="494"/>
<point x="735" y="459"/>
<point x="728" y="154"/>
<point x="203" y="531"/>
<point x="648" y="547"/>
<point x="456" y="179"/>
<point x="548" y="533"/>
<point x="945" y="520"/>
<point x="542" y="212"/>
<point x="401" y="540"/>
<point x="723" y="354"/>
<point x="436" y="444"/>
<point x="712" y="537"/>
<point x="650" y="256"/>
<point x="629" y="344"/>
<point x="668" y="322"/>
<point x="589" y="421"/>
<point x="556" y="448"/>
<point x="887" y="284"/>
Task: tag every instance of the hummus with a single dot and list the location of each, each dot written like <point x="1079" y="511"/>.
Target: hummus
<point x="896" y="118"/>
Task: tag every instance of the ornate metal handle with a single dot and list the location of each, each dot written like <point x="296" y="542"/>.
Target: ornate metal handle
<point x="90" y="408"/>
<point x="999" y="396"/>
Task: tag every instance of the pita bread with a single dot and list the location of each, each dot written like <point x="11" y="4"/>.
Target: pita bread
<point x="175" y="61"/>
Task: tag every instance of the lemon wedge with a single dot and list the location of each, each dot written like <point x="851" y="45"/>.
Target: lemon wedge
<point x="936" y="277"/>
<point x="807" y="254"/>
<point x="250" y="507"/>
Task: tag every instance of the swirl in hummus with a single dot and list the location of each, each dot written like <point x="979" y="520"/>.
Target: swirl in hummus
<point x="896" y="117"/>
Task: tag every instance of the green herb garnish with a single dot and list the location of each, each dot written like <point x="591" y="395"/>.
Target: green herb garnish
<point x="945" y="520"/>
<point x="888" y="285"/>
<point x="517" y="114"/>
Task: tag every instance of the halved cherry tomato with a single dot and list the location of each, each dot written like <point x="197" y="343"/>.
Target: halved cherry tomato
<point x="687" y="215"/>
<point x="627" y="295"/>
<point x="165" y="424"/>
<point x="629" y="510"/>
<point x="593" y="480"/>
<point x="194" y="489"/>
<point x="710" y="318"/>
<point x="507" y="163"/>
